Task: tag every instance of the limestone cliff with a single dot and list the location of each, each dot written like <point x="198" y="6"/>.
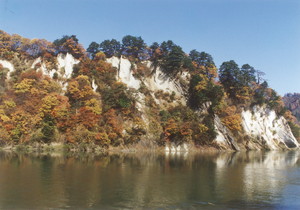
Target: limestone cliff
<point x="262" y="128"/>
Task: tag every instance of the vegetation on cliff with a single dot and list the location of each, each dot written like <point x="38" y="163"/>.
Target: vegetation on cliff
<point x="37" y="108"/>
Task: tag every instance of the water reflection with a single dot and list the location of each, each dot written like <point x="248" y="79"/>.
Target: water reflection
<point x="210" y="180"/>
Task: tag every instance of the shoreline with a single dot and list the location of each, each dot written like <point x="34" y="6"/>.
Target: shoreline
<point x="90" y="148"/>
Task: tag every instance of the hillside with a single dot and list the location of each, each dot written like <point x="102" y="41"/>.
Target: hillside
<point x="131" y="94"/>
<point x="292" y="102"/>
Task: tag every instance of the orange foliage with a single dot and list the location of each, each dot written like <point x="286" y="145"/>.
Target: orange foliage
<point x="232" y="120"/>
<point x="290" y="117"/>
<point x="114" y="121"/>
<point x="178" y="132"/>
<point x="87" y="118"/>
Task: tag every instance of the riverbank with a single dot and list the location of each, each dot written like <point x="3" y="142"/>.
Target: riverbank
<point x="55" y="147"/>
<point x="93" y="148"/>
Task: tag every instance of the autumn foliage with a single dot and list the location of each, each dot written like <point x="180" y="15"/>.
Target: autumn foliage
<point x="92" y="106"/>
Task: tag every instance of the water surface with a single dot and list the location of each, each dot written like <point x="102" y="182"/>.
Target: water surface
<point x="269" y="180"/>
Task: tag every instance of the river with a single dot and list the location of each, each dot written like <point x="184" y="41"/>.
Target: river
<point x="269" y="180"/>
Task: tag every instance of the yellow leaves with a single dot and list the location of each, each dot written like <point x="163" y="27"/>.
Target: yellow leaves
<point x="73" y="89"/>
<point x="203" y="128"/>
<point x="80" y="88"/>
<point x="230" y="110"/>
<point x="35" y="87"/>
<point x="244" y="93"/>
<point x="202" y="85"/>
<point x="232" y="120"/>
<point x="24" y="86"/>
<point x="48" y="103"/>
<point x="94" y="105"/>
<point x="212" y="72"/>
<point x="34" y="91"/>
<point x="100" y="56"/>
<point x="23" y="122"/>
<point x="47" y="85"/>
<point x="3" y="116"/>
<point x="9" y="104"/>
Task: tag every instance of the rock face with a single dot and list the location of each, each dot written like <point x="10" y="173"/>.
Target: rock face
<point x="263" y="127"/>
<point x="125" y="74"/>
<point x="7" y="65"/>
<point x="64" y="68"/>
<point x="155" y="82"/>
<point x="224" y="138"/>
<point x="65" y="64"/>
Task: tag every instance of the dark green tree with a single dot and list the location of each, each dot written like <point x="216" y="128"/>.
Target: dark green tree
<point x="134" y="46"/>
<point x="111" y="47"/>
<point x="209" y="93"/>
<point x="93" y="49"/>
<point x="59" y="42"/>
<point x="247" y="75"/>
<point x="260" y="93"/>
<point x="229" y="74"/>
<point x="174" y="61"/>
<point x="167" y="46"/>
<point x="201" y="58"/>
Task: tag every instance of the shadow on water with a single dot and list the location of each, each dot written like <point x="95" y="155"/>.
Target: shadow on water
<point x="150" y="180"/>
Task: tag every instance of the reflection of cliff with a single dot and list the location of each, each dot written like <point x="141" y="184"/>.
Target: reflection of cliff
<point x="253" y="176"/>
<point x="143" y="180"/>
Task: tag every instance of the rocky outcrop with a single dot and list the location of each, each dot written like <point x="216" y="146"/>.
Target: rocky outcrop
<point x="264" y="128"/>
<point x="224" y="139"/>
<point x="8" y="65"/>
<point x="157" y="81"/>
<point x="124" y="74"/>
<point x="64" y="68"/>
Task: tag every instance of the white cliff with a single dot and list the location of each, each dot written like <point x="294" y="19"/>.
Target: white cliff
<point x="43" y="68"/>
<point x="9" y="66"/>
<point x="262" y="129"/>
<point x="66" y="64"/>
<point x="155" y="82"/>
<point x="263" y="126"/>
<point x="124" y="74"/>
